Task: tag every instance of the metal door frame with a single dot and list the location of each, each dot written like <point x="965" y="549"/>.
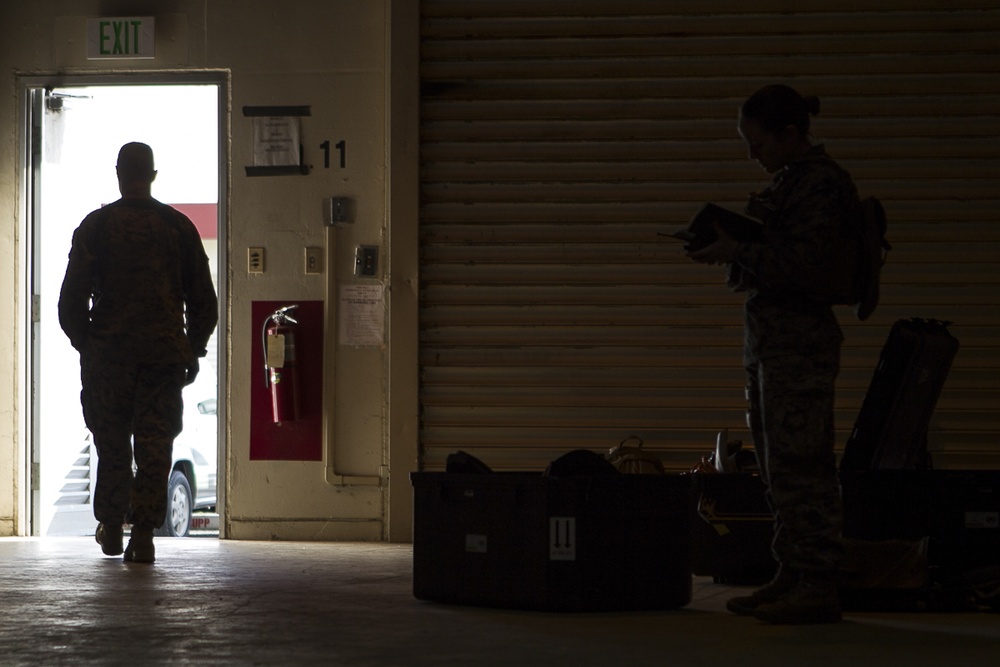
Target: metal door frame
<point x="31" y="100"/>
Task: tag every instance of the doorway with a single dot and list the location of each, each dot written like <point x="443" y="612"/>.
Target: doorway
<point x="75" y="133"/>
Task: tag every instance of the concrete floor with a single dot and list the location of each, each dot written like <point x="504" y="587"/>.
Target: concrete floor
<point x="220" y="602"/>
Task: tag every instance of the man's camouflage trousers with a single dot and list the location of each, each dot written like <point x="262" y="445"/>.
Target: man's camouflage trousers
<point x="132" y="409"/>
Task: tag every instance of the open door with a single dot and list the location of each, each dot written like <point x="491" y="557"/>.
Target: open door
<point x="75" y="134"/>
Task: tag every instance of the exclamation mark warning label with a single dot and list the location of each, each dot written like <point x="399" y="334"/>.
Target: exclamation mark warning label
<point x="562" y="538"/>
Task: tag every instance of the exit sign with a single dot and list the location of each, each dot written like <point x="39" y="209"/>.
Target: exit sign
<point x="120" y="37"/>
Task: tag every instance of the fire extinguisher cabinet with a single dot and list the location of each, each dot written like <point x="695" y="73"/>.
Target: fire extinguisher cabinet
<point x="286" y="393"/>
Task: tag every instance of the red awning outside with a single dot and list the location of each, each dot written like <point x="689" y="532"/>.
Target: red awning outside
<point x="204" y="216"/>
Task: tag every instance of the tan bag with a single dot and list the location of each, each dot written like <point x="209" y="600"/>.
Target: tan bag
<point x="628" y="457"/>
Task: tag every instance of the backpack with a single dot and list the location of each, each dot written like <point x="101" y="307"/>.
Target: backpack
<point x="854" y="268"/>
<point x="630" y="458"/>
<point x="580" y="463"/>
<point x="464" y="463"/>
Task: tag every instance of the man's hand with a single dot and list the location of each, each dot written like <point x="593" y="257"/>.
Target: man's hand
<point x="192" y="371"/>
<point x="721" y="251"/>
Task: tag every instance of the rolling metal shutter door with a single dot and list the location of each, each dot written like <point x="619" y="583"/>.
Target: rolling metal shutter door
<point x="558" y="138"/>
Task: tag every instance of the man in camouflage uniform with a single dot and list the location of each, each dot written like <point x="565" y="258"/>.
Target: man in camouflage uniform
<point x="792" y="357"/>
<point x="138" y="303"/>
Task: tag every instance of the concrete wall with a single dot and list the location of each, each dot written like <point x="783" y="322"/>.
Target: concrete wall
<point x="336" y="57"/>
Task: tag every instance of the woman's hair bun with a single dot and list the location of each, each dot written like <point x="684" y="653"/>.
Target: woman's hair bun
<point x="811" y="103"/>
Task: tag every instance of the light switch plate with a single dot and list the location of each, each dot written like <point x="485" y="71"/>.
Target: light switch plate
<point x="255" y="260"/>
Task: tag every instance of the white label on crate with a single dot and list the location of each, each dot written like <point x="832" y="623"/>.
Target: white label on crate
<point x="562" y="538"/>
<point x="475" y="543"/>
<point x="982" y="519"/>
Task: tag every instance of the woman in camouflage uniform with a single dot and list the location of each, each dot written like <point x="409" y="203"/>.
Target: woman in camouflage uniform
<point x="791" y="351"/>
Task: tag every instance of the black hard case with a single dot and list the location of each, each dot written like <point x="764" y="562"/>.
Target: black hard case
<point x="959" y="510"/>
<point x="732" y="527"/>
<point x="891" y="429"/>
<point x="884" y="498"/>
<point x="506" y="540"/>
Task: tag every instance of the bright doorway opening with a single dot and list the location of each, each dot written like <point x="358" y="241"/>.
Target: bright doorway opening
<point x="78" y="132"/>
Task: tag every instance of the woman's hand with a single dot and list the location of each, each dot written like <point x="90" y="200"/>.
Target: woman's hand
<point x="721" y="251"/>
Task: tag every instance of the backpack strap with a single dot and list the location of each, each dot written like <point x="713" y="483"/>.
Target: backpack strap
<point x="872" y="253"/>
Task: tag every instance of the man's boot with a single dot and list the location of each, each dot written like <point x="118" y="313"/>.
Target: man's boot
<point x="812" y="601"/>
<point x="746" y="605"/>
<point x="109" y="536"/>
<point x="140" y="547"/>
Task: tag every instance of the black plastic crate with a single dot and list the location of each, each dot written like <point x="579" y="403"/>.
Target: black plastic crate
<point x="527" y="541"/>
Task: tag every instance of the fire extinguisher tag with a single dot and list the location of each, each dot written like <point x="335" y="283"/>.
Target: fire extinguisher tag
<point x="276" y="350"/>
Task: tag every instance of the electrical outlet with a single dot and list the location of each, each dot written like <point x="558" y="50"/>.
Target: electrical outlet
<point x="314" y="260"/>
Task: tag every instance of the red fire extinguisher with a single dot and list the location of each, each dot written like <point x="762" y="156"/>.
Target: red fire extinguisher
<point x="279" y="364"/>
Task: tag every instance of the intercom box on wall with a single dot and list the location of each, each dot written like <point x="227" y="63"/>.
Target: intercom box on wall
<point x="338" y="211"/>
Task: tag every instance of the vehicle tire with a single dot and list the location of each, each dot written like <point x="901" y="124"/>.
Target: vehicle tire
<point x="179" y="507"/>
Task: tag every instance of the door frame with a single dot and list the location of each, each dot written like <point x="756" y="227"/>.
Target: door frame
<point x="28" y="469"/>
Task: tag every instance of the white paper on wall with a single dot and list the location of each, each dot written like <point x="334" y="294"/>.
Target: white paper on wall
<point x="361" y="315"/>
<point x="276" y="141"/>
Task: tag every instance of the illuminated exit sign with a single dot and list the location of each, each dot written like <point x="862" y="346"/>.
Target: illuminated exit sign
<point x="120" y="37"/>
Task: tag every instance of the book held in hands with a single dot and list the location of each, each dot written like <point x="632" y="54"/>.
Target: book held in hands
<point x="700" y="232"/>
